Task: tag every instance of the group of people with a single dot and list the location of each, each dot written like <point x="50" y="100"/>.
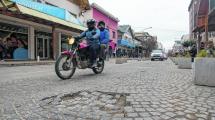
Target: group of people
<point x="13" y="48"/>
<point x="97" y="40"/>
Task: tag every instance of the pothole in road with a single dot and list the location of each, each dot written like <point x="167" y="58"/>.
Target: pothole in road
<point x="88" y="104"/>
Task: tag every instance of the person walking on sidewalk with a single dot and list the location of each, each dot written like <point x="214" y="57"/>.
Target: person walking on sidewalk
<point x="104" y="39"/>
<point x="193" y="53"/>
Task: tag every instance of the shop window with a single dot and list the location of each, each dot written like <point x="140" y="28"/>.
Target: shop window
<point x="13" y="42"/>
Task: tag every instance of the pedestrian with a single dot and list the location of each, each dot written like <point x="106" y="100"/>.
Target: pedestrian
<point x="193" y="53"/>
<point x="104" y="39"/>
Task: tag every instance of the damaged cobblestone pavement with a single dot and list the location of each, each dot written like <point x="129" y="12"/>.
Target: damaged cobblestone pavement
<point x="133" y="91"/>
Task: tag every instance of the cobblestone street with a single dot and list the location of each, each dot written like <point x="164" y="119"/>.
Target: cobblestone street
<point x="133" y="91"/>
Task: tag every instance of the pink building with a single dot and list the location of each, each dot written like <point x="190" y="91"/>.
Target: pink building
<point x="99" y="14"/>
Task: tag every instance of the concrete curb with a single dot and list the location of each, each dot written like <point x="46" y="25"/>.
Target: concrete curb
<point x="25" y="63"/>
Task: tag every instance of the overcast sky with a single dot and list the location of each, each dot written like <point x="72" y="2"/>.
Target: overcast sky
<point x="168" y="18"/>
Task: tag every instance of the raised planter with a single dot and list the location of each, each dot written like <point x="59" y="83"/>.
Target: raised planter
<point x="184" y="63"/>
<point x="204" y="71"/>
<point x="121" y="60"/>
<point x="174" y="60"/>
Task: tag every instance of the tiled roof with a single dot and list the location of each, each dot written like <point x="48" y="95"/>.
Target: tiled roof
<point x="123" y="28"/>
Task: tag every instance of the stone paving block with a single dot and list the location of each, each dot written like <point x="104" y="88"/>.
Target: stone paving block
<point x="119" y="115"/>
<point x="128" y="109"/>
<point x="132" y="115"/>
<point x="150" y="109"/>
<point x="165" y="117"/>
<point x="155" y="113"/>
<point x="170" y="114"/>
<point x="191" y="116"/>
<point x="127" y="119"/>
<point x="116" y="118"/>
<point x="144" y="114"/>
<point x="138" y="119"/>
<point x="147" y="118"/>
<point x="139" y="109"/>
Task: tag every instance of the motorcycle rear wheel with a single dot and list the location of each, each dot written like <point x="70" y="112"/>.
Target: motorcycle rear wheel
<point x="68" y="65"/>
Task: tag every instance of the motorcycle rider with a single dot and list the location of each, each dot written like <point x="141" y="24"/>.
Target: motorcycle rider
<point x="92" y="35"/>
<point x="104" y="39"/>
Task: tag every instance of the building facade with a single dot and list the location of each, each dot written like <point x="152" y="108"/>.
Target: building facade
<point x="178" y="48"/>
<point x="193" y="15"/>
<point x="125" y="44"/>
<point x="99" y="14"/>
<point x="75" y="8"/>
<point x="148" y="42"/>
<point x="43" y="26"/>
<point x="202" y="22"/>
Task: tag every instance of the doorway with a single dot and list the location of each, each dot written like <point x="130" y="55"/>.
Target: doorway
<point x="43" y="47"/>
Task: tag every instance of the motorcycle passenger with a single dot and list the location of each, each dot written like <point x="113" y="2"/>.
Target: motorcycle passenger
<point x="92" y="36"/>
<point x="104" y="39"/>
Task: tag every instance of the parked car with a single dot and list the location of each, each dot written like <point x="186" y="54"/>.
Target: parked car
<point x="157" y="55"/>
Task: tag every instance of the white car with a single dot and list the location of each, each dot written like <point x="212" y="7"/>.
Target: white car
<point x="157" y="55"/>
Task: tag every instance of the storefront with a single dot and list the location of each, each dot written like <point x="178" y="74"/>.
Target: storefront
<point x="38" y="35"/>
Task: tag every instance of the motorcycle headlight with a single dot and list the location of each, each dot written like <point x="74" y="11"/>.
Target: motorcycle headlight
<point x="71" y="41"/>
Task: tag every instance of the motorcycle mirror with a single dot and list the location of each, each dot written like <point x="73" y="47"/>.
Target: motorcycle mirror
<point x="71" y="41"/>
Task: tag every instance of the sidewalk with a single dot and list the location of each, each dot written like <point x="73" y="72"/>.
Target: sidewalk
<point x="25" y="63"/>
<point x="47" y="62"/>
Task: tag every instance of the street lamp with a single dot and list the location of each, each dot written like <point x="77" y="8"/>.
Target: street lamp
<point x="144" y="28"/>
<point x="147" y="28"/>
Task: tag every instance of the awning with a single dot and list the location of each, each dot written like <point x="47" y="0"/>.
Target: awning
<point x="125" y="43"/>
<point x="18" y="8"/>
<point x="25" y="10"/>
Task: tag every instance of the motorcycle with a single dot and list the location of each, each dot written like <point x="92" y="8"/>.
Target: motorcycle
<point x="76" y="57"/>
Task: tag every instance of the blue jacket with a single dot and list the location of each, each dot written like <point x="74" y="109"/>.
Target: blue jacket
<point x="92" y="37"/>
<point x="104" y="37"/>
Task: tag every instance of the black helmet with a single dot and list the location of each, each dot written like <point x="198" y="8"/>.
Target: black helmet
<point x="91" y="21"/>
<point x="101" y="23"/>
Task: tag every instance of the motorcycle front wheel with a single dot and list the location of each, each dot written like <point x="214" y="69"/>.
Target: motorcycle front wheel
<point x="65" y="67"/>
<point x="100" y="67"/>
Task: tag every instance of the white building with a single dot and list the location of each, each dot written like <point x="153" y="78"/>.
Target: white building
<point x="185" y="37"/>
<point x="177" y="47"/>
<point x="160" y="46"/>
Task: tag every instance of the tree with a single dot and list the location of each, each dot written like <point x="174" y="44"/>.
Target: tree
<point x="188" y="43"/>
